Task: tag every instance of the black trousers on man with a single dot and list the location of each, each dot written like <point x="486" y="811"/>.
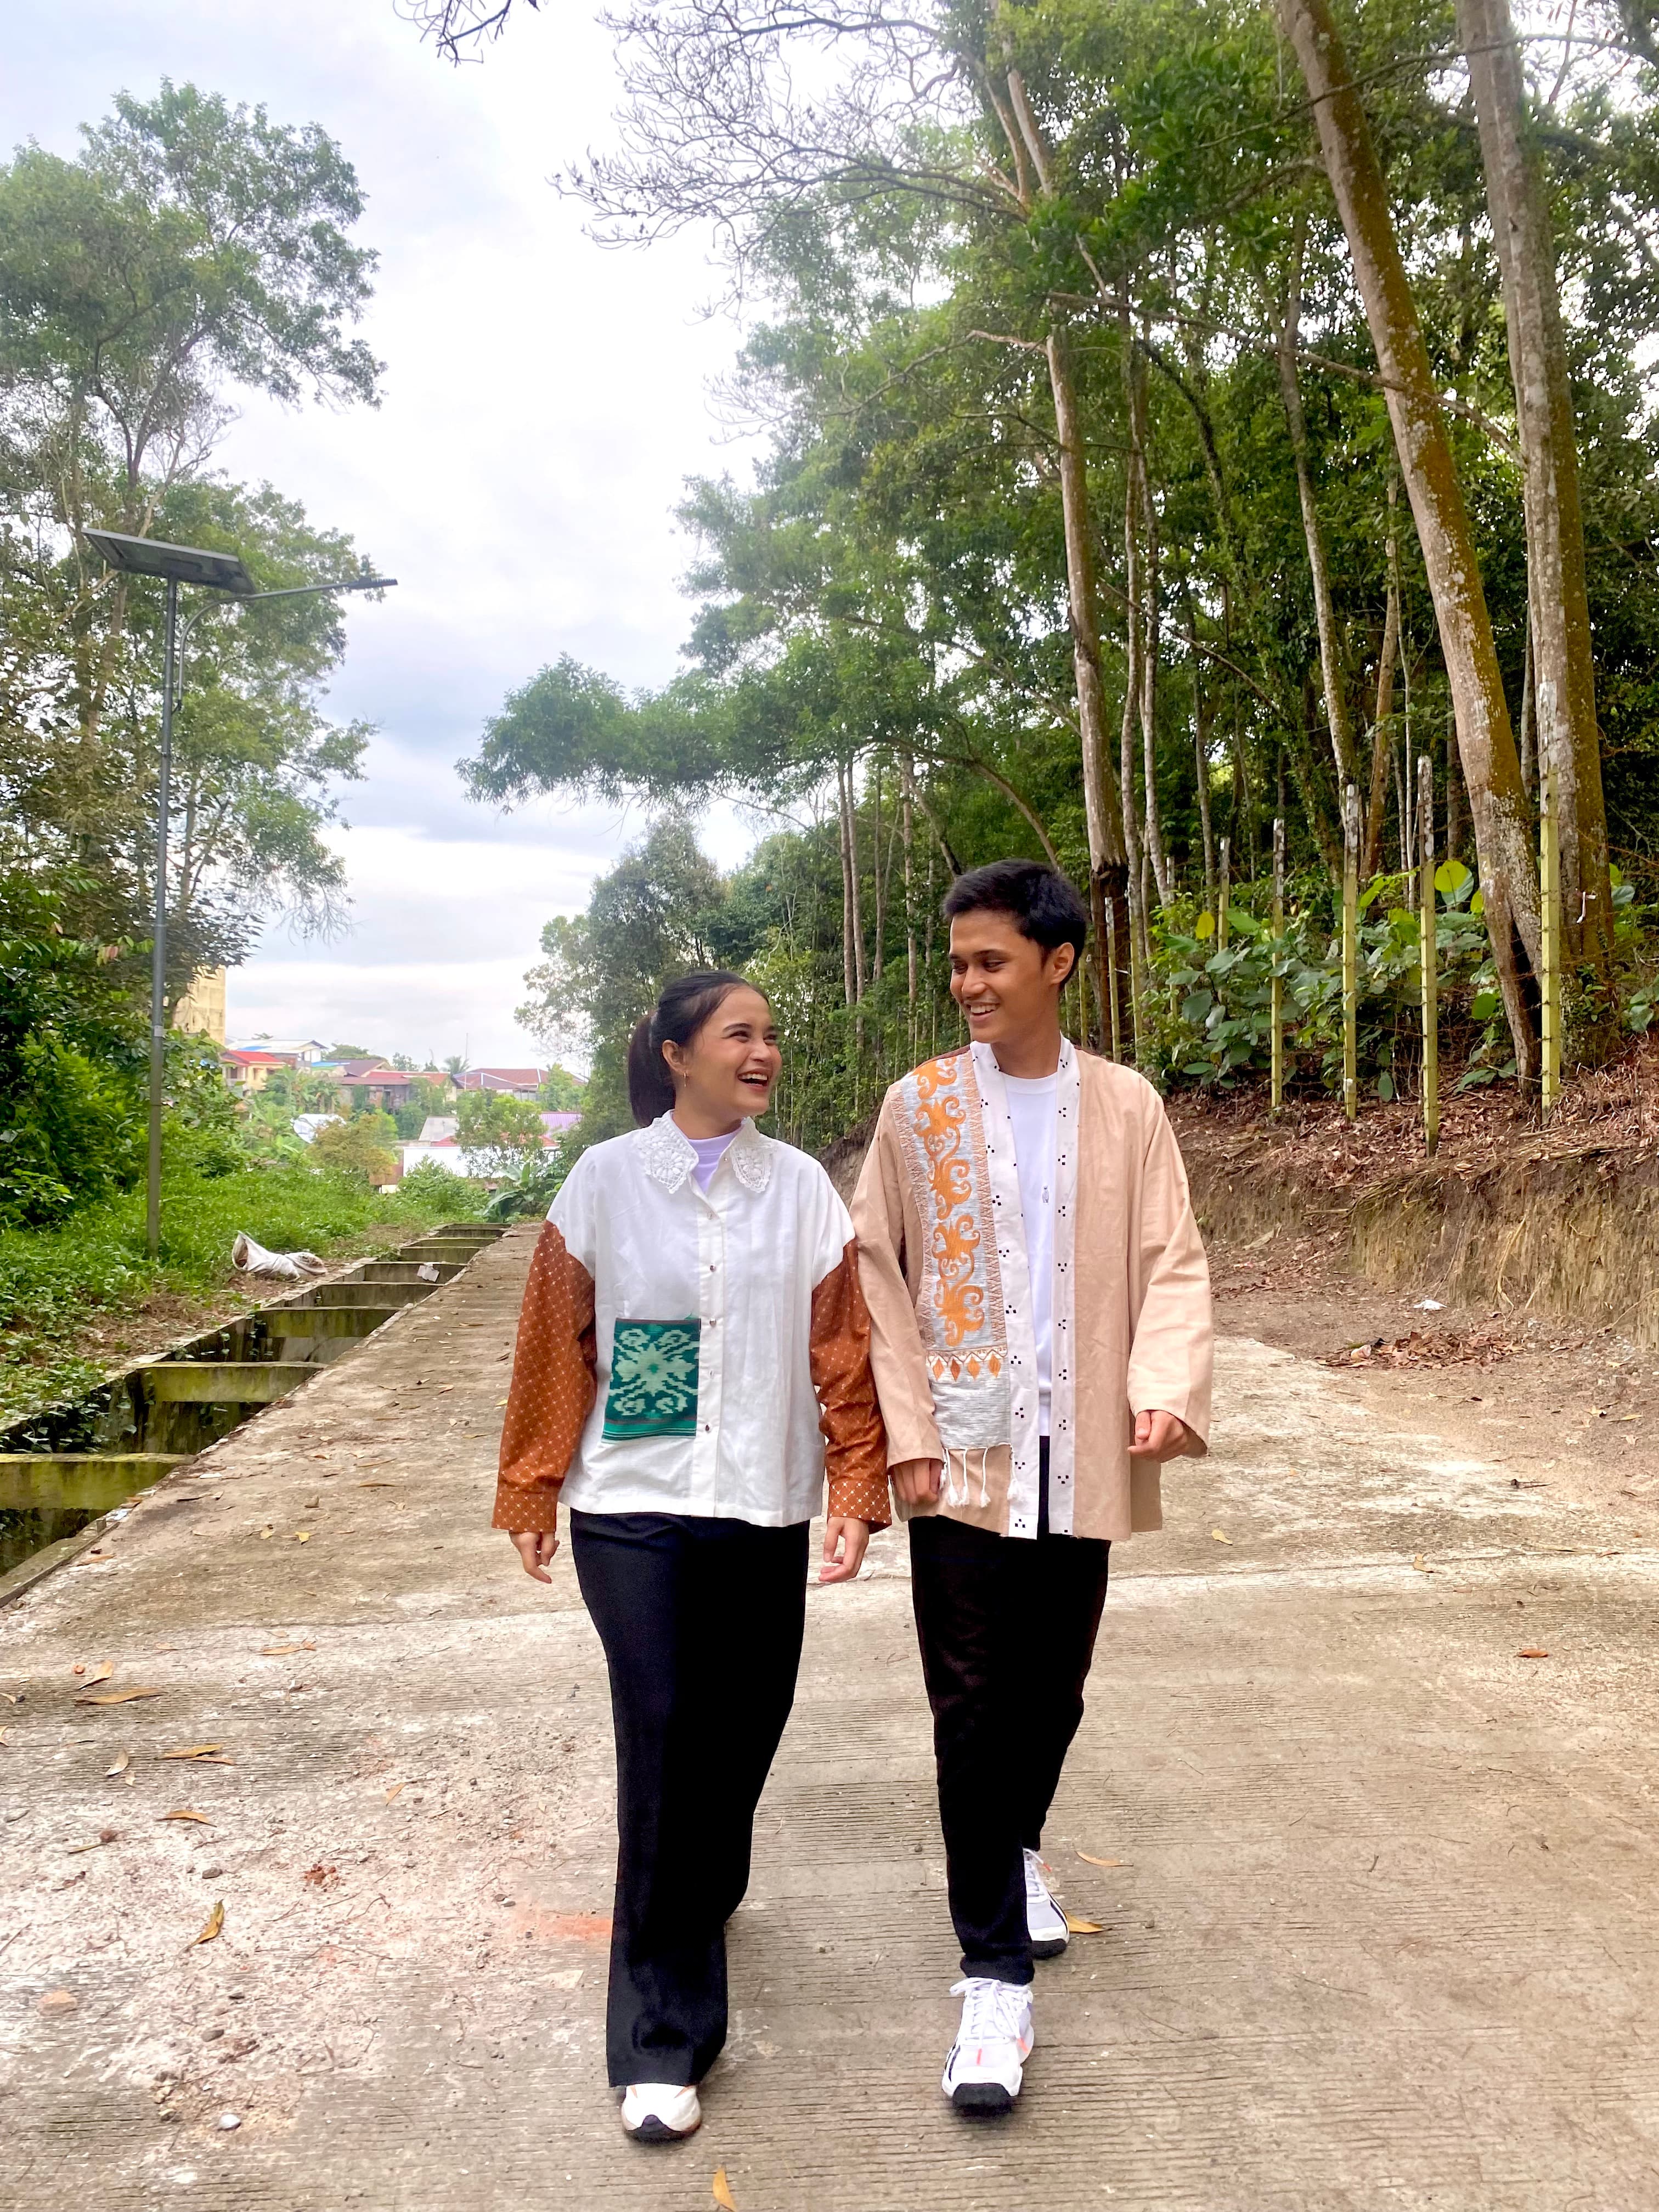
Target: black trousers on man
<point x="701" y="1622"/>
<point x="1007" y="1627"/>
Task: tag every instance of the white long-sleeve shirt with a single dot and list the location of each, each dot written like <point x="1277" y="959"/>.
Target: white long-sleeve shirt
<point x="691" y="1351"/>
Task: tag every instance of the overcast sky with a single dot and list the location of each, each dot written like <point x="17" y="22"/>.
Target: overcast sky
<point x="544" y="400"/>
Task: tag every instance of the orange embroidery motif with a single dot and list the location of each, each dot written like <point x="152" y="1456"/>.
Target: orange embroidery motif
<point x="942" y="1131"/>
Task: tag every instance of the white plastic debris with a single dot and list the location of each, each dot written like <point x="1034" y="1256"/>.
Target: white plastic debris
<point x="254" y="1260"/>
<point x="428" y="1271"/>
<point x="229" y="2120"/>
<point x="1428" y="1305"/>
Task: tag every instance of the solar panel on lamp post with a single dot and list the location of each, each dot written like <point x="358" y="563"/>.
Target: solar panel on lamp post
<point x="213" y="572"/>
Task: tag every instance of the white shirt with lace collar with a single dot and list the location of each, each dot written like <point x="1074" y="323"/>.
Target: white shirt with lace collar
<point x="729" y="1341"/>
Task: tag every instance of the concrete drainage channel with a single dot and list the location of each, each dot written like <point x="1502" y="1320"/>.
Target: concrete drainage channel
<point x="65" y="1471"/>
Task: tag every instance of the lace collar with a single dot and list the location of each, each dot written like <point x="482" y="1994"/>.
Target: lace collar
<point x="670" y="1158"/>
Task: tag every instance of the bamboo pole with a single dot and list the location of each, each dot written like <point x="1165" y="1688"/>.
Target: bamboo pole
<point x="1549" y="900"/>
<point x="1224" y="893"/>
<point x="1428" y="955"/>
<point x="1351" y="953"/>
<point x="1279" y="953"/>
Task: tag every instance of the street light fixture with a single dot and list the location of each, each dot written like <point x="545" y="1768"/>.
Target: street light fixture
<point x="213" y="572"/>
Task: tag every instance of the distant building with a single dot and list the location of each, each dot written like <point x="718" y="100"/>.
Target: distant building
<point x="298" y="1052"/>
<point x="247" y="1071"/>
<point x="201" y="1011"/>
<point x="520" y="1082"/>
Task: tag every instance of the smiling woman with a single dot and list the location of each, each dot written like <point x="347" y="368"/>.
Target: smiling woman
<point x="693" y="1359"/>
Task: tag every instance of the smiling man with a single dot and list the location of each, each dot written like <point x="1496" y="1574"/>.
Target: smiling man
<point x="1042" y="1341"/>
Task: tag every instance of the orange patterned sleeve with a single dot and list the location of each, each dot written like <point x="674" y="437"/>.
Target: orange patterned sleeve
<point x="855" y="1456"/>
<point x="553" y="1388"/>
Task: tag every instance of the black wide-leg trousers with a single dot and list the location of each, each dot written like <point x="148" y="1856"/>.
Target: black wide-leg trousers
<point x="1007" y="1627"/>
<point x="701" y="1622"/>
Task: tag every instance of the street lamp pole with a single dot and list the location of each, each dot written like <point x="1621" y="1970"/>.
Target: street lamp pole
<point x="218" y="572"/>
<point x="158" y="958"/>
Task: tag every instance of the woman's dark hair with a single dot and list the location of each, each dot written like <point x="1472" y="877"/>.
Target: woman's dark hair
<point x="685" y="1005"/>
<point x="1040" y="902"/>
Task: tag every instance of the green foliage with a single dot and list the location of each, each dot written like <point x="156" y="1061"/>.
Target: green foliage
<point x="360" y="1146"/>
<point x="501" y="1135"/>
<point x="536" y="1188"/>
<point x="434" y="1189"/>
<point x="560" y="1091"/>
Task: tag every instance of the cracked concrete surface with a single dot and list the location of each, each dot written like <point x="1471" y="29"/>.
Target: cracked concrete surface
<point x="1379" y="1932"/>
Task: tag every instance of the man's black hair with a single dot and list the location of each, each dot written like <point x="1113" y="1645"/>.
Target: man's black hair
<point x="1041" y="903"/>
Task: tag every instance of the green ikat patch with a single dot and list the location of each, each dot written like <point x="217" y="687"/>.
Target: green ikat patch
<point x="653" y="1379"/>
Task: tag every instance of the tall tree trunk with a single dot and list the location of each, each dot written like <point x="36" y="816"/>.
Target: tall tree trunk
<point x="1201" y="763"/>
<point x="860" y="969"/>
<point x="1382" y="721"/>
<point x="1109" y="872"/>
<point x="907" y="836"/>
<point x="881" y="888"/>
<point x="1330" y="657"/>
<point x="1558" y="599"/>
<point x="1144" y="607"/>
<point x="848" y="889"/>
<point x="1502" y="828"/>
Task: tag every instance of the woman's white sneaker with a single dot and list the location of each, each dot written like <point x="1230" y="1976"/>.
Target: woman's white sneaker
<point x="660" y="2112"/>
<point x="1045" y="1924"/>
<point x="986" y="2062"/>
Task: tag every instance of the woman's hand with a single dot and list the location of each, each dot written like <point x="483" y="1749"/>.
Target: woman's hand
<point x="535" y="1547"/>
<point x="844" y="1540"/>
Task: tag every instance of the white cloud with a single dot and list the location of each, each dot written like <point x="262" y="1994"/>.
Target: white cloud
<point x="544" y="401"/>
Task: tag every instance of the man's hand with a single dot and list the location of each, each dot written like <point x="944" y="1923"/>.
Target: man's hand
<point x="844" y="1541"/>
<point x="1159" y="1436"/>
<point x="917" y="1481"/>
<point x="535" y="1547"/>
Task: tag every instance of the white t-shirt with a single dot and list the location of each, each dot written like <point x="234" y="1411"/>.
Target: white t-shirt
<point x="1032" y="1101"/>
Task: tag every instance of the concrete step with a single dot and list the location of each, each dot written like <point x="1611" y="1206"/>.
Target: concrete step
<point x="222" y="1382"/>
<point x="440" y="1250"/>
<point x="284" y="1322"/>
<point x="380" y="1272"/>
<point x="87" y="1482"/>
<point x="354" y="1293"/>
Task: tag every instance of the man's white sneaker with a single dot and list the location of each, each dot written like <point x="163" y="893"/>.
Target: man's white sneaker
<point x="660" y="2112"/>
<point x="1045" y="1924"/>
<point x="986" y="2062"/>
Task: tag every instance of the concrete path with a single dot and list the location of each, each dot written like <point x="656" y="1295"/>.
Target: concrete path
<point x="1378" y="1931"/>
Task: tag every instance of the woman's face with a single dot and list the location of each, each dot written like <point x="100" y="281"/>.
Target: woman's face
<point x="730" y="1066"/>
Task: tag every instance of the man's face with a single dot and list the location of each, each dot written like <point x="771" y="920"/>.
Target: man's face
<point x="1005" y="984"/>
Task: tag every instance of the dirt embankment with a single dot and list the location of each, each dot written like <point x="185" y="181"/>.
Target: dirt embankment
<point x="1558" y="1222"/>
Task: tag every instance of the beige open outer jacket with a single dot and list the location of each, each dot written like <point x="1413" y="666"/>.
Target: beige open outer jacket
<point x="942" y="1263"/>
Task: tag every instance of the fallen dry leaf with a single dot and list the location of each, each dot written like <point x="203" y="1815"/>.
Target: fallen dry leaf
<point x="1418" y="1564"/>
<point x="193" y="1751"/>
<point x="101" y="1673"/>
<point x="212" y="1926"/>
<point x="1532" y="1651"/>
<point x="105" y="1835"/>
<point x="1082" y="1926"/>
<point x="396" y="1790"/>
<point x="184" y="1812"/>
<point x="302" y="1536"/>
<point x="723" y="2195"/>
<point x="282" y="1650"/>
<point x="12" y="1697"/>
<point x="266" y="1531"/>
<point x="5" y="1736"/>
<point x="58" y="2000"/>
<point x="1220" y="1538"/>
<point x="319" y="1455"/>
<point x="377" y="1485"/>
<point x="119" y="1697"/>
<point x="1089" y="1860"/>
<point x="123" y="1760"/>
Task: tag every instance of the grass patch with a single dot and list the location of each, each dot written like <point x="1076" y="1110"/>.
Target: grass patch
<point x="55" y="1284"/>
